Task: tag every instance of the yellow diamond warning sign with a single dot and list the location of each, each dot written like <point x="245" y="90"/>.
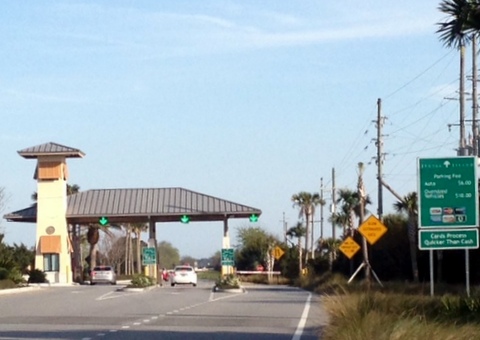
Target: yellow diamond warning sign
<point x="277" y="252"/>
<point x="372" y="229"/>
<point x="349" y="247"/>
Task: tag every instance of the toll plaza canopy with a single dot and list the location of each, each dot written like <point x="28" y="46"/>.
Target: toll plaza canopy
<point x="142" y="205"/>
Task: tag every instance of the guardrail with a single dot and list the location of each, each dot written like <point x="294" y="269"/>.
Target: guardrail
<point x="256" y="272"/>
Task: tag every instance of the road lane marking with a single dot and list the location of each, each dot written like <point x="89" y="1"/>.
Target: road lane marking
<point x="110" y="295"/>
<point x="303" y="319"/>
<point x="176" y="311"/>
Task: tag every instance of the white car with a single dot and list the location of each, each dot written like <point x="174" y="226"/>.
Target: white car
<point x="103" y="274"/>
<point x="183" y="275"/>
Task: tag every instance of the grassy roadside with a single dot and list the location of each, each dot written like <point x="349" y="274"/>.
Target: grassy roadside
<point x="397" y="311"/>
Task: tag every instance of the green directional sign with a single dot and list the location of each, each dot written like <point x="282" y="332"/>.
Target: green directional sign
<point x="228" y="257"/>
<point x="149" y="256"/>
<point x="103" y="220"/>
<point x="448" y="192"/>
<point x="448" y="239"/>
<point x="253" y="218"/>
<point x="185" y="219"/>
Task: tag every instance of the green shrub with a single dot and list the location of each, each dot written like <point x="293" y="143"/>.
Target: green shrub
<point x="3" y="273"/>
<point x="37" y="276"/>
<point x="142" y="281"/>
<point x="228" y="281"/>
<point x="16" y="276"/>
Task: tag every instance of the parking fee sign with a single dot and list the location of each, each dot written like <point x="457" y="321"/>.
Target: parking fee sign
<point x="149" y="256"/>
<point x="228" y="257"/>
<point x="448" y="192"/>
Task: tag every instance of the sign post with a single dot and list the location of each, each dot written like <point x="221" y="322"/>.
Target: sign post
<point x="448" y="201"/>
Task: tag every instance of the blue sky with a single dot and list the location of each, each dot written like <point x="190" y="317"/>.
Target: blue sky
<point x="244" y="100"/>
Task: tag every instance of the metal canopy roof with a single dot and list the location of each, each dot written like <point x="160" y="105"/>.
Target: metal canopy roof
<point x="50" y="149"/>
<point x="142" y="205"/>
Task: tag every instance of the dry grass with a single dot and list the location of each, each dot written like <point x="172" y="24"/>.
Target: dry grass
<point x="390" y="315"/>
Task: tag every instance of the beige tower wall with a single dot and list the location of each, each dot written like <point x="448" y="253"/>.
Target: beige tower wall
<point x="52" y="229"/>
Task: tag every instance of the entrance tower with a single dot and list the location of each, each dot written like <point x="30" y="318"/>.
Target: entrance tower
<point x="52" y="243"/>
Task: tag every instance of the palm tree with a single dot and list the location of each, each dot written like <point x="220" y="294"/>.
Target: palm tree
<point x="456" y="31"/>
<point x="298" y="231"/>
<point x="128" y="249"/>
<point x="460" y="26"/>
<point x="409" y="204"/>
<point x="74" y="231"/>
<point x="93" y="236"/>
<point x="341" y="219"/>
<point x="349" y="201"/>
<point x="306" y="202"/>
<point x="462" y="20"/>
<point x="138" y="228"/>
<point x="330" y="246"/>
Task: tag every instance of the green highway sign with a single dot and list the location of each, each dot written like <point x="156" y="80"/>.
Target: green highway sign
<point x="448" y="239"/>
<point x="253" y="218"/>
<point x="228" y="257"/>
<point x="149" y="256"/>
<point x="185" y="219"/>
<point x="447" y="192"/>
<point x="103" y="220"/>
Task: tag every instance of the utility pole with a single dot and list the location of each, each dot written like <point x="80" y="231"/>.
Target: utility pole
<point x="474" y="97"/>
<point x="284" y="229"/>
<point x="321" y="209"/>
<point x="379" y="160"/>
<point x="362" y="194"/>
<point x="462" y="147"/>
<point x="334" y="202"/>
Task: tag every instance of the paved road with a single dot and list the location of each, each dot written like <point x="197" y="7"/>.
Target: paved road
<point x="102" y="312"/>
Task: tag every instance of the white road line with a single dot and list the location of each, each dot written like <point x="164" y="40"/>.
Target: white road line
<point x="303" y="319"/>
<point x="101" y="334"/>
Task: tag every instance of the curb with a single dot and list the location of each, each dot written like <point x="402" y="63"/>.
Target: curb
<point x="228" y="290"/>
<point x="18" y="290"/>
<point x="125" y="289"/>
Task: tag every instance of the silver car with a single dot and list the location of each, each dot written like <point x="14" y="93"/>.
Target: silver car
<point x="183" y="275"/>
<point x="103" y="274"/>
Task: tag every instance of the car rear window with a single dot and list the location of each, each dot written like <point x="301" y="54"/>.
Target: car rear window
<point x="183" y="269"/>
<point x="101" y="268"/>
